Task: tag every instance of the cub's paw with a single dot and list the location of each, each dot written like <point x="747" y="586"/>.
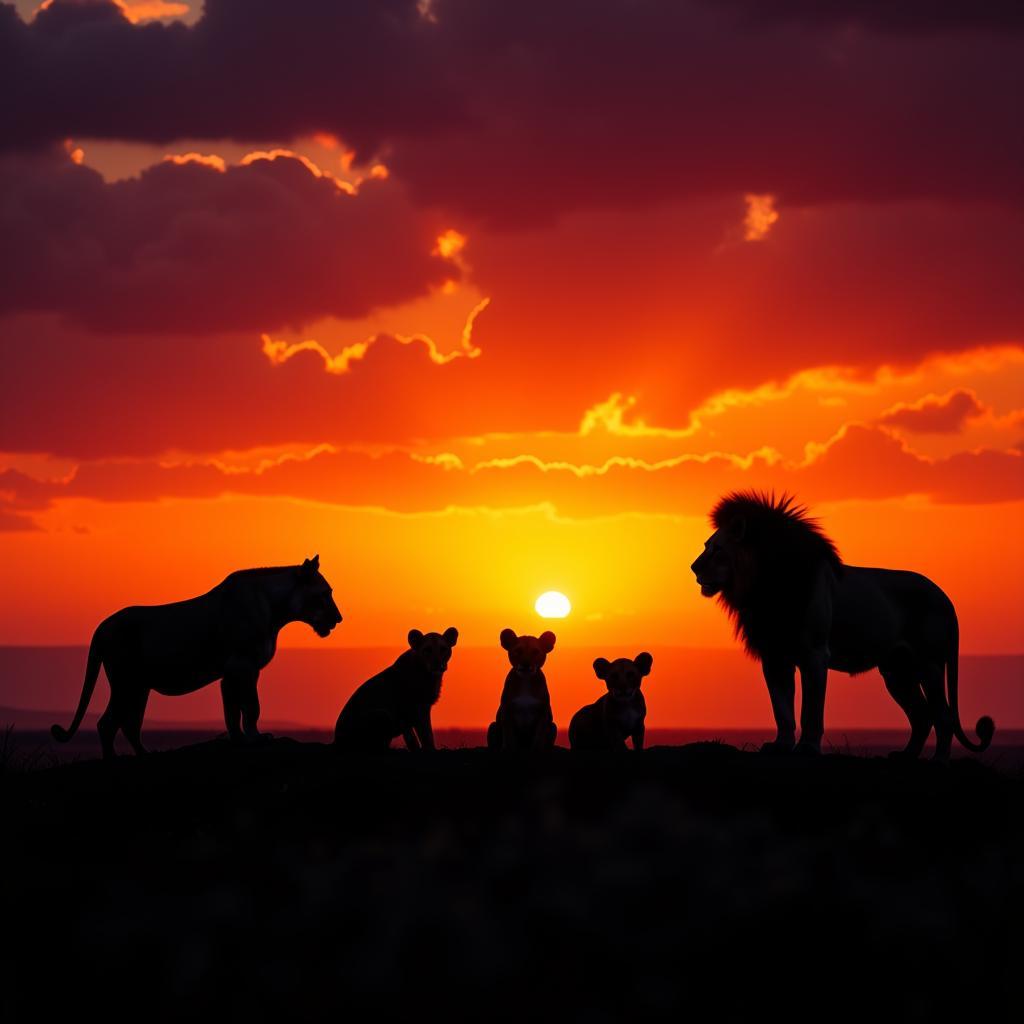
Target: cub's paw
<point x="776" y="748"/>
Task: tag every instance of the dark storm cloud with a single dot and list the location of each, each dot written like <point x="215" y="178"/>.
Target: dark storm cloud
<point x="520" y="111"/>
<point x="188" y="247"/>
<point x="249" y="69"/>
<point x="918" y="16"/>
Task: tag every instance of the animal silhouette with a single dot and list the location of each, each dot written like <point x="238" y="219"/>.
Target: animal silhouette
<point x="524" y="720"/>
<point x="797" y="605"/>
<point x="605" y="724"/>
<point x="397" y="701"/>
<point x="229" y="633"/>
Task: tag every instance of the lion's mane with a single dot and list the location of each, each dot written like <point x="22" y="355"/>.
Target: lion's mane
<point x="778" y="551"/>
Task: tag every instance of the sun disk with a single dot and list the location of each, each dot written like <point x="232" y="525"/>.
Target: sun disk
<point x="552" y="605"/>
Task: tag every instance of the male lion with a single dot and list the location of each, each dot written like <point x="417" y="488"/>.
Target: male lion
<point x="795" y="604"/>
<point x="228" y="634"/>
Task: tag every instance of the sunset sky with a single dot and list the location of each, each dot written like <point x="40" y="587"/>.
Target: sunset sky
<point x="481" y="299"/>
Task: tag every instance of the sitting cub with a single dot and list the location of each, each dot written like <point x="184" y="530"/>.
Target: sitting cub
<point x="397" y="701"/>
<point x="605" y="724"/>
<point x="524" y="720"/>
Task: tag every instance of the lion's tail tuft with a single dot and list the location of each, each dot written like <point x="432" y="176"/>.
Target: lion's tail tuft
<point x="986" y="727"/>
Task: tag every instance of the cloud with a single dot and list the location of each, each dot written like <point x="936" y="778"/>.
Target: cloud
<point x="934" y="414"/>
<point x="888" y="15"/>
<point x="279" y="352"/>
<point x="196" y="247"/>
<point x="761" y="215"/>
<point x="859" y="462"/>
<point x="509" y="112"/>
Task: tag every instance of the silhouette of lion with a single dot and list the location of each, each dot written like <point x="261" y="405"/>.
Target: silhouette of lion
<point x="229" y="633"/>
<point x="524" y="719"/>
<point x="796" y="605"/>
<point x="605" y="724"/>
<point x="397" y="701"/>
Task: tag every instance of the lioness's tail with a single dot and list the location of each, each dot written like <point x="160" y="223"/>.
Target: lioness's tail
<point x="985" y="727"/>
<point x="92" y="672"/>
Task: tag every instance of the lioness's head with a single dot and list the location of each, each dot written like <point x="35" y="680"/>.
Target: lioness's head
<point x="527" y="654"/>
<point x="716" y="567"/>
<point x="312" y="599"/>
<point x="433" y="649"/>
<point x="623" y="676"/>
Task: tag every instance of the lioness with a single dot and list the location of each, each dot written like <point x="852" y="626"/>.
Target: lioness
<point x="228" y="634"/>
<point x="795" y="604"/>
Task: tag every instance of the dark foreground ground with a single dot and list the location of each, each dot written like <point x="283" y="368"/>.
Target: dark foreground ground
<point x="285" y="882"/>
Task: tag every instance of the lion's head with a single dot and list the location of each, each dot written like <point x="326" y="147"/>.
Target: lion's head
<point x="434" y="650"/>
<point x="312" y="600"/>
<point x="527" y="654"/>
<point x="624" y="676"/>
<point x="720" y="567"/>
<point x="760" y="544"/>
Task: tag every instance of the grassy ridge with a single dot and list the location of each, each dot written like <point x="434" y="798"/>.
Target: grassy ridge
<point x="286" y="881"/>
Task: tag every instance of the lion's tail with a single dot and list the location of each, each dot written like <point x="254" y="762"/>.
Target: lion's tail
<point x="985" y="727"/>
<point x="92" y="672"/>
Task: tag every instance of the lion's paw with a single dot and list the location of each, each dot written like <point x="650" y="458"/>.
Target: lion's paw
<point x="807" y="750"/>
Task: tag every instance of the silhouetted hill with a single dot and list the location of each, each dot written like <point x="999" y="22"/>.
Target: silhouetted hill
<point x="288" y="882"/>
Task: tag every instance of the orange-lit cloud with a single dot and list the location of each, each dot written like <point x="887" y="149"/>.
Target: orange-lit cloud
<point x="450" y="244"/>
<point x="138" y="11"/>
<point x="76" y="153"/>
<point x="279" y="352"/>
<point x="288" y="154"/>
<point x="761" y="215"/>
<point x="935" y="414"/>
<point x="206" y="159"/>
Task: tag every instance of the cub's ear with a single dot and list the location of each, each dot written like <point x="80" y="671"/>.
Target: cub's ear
<point x="508" y="638"/>
<point x="547" y="640"/>
<point x="415" y="636"/>
<point x="311" y="565"/>
<point x="601" y="666"/>
<point x="643" y="662"/>
<point x="737" y="529"/>
<point x="451" y="636"/>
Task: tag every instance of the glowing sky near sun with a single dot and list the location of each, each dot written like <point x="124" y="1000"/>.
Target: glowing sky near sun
<point x="488" y="301"/>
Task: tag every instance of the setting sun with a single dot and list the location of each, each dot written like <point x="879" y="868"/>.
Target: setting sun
<point x="552" y="605"/>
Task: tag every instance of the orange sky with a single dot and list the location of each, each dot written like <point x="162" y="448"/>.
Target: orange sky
<point x="535" y="372"/>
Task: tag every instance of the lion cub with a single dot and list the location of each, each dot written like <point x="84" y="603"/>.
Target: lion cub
<point x="605" y="724"/>
<point x="397" y="701"/>
<point x="524" y="719"/>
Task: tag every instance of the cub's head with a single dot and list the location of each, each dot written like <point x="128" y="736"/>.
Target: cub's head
<point x="433" y="649"/>
<point x="526" y="654"/>
<point x="623" y="676"/>
<point x="312" y="599"/>
<point x="722" y="565"/>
